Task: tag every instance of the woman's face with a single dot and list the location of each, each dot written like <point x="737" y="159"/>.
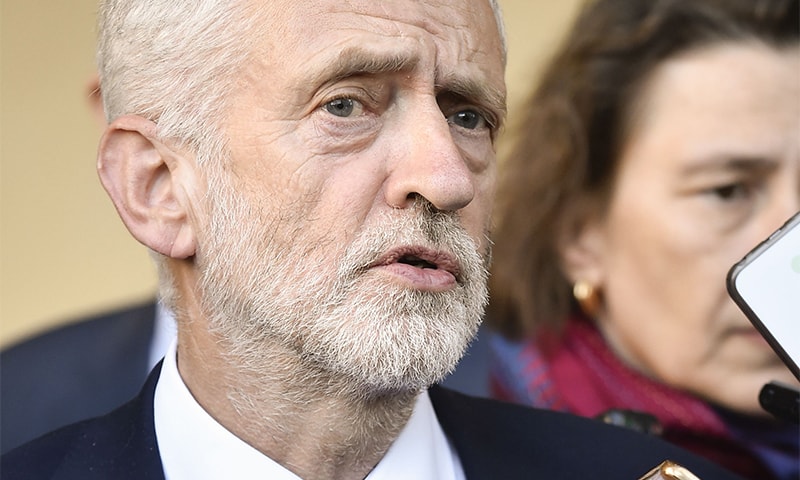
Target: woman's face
<point x="711" y="167"/>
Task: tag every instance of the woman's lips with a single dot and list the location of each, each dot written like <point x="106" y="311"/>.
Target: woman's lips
<point x="750" y="334"/>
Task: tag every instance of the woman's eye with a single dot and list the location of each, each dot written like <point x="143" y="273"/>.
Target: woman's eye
<point x="344" y="107"/>
<point x="734" y="191"/>
<point x="469" y="119"/>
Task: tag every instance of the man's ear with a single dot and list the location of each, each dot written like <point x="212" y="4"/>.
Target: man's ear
<point x="146" y="181"/>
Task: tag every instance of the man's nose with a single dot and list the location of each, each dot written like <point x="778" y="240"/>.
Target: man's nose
<point x="426" y="162"/>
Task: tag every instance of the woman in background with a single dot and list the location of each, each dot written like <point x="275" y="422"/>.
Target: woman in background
<point x="662" y="144"/>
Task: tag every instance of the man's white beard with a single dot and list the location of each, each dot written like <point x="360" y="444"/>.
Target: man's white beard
<point x="267" y="280"/>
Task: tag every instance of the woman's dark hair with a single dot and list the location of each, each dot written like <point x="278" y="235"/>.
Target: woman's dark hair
<point x="568" y="138"/>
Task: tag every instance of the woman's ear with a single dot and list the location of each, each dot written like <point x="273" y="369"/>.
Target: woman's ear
<point x="581" y="248"/>
<point x="145" y="181"/>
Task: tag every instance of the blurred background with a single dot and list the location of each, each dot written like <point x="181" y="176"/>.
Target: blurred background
<point x="64" y="253"/>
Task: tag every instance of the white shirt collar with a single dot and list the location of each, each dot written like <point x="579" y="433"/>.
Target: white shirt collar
<point x="195" y="446"/>
<point x="164" y="332"/>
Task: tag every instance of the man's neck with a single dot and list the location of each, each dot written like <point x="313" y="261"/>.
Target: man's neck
<point x="313" y="424"/>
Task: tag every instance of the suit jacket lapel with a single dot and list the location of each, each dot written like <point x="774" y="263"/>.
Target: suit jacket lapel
<point x="121" y="445"/>
<point x="474" y="434"/>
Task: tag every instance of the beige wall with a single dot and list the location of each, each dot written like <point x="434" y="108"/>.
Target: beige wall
<point x="63" y="251"/>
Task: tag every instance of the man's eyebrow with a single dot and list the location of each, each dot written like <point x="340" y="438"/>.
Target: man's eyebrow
<point x="473" y="90"/>
<point x="354" y="61"/>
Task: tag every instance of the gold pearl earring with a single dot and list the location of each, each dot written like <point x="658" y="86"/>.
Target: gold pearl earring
<point x="588" y="297"/>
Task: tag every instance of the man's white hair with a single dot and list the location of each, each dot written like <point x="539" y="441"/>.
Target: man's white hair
<point x="173" y="62"/>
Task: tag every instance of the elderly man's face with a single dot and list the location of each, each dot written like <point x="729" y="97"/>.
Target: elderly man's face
<point x="351" y="221"/>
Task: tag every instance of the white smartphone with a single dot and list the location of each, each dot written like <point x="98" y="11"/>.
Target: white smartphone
<point x="765" y="284"/>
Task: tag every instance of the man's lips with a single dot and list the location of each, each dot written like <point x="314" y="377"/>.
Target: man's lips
<point x="424" y="268"/>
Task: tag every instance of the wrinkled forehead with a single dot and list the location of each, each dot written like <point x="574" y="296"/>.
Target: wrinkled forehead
<point x="435" y="16"/>
<point x="447" y="32"/>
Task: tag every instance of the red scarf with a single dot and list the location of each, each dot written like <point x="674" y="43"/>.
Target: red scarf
<point x="579" y="374"/>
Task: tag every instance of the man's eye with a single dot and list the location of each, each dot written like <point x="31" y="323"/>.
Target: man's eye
<point x="344" y="107"/>
<point x="468" y="119"/>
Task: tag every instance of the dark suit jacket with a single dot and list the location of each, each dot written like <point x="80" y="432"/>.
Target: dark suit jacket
<point x="91" y="366"/>
<point x="493" y="440"/>
<point x="84" y="369"/>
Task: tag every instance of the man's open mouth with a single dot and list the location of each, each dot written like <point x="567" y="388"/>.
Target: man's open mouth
<point x="415" y="261"/>
<point x="421" y="257"/>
